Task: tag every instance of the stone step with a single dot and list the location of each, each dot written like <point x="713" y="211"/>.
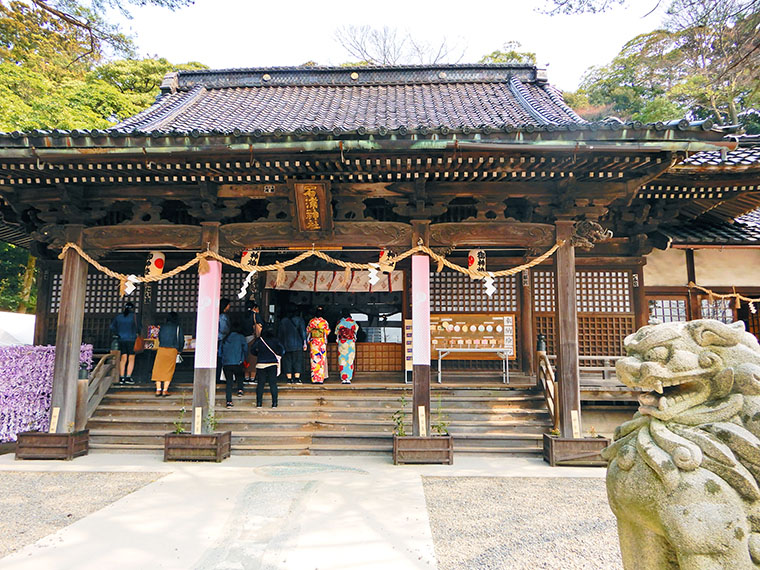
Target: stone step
<point x="329" y="419"/>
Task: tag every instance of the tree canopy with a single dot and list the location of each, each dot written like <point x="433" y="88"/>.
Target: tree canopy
<point x="50" y="79"/>
<point x="509" y="54"/>
<point x="703" y="62"/>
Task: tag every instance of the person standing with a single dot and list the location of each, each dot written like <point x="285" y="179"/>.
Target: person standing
<point x="224" y="330"/>
<point x="124" y="326"/>
<point x="318" y="329"/>
<point x="292" y="335"/>
<point x="268" y="351"/>
<point x="252" y="327"/>
<point x="171" y="341"/>
<point x="234" y="350"/>
<point x="346" y="331"/>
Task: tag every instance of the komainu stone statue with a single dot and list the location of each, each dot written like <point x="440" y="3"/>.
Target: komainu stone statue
<point x="683" y="473"/>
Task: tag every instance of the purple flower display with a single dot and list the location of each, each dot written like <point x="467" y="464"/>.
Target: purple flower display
<point x="26" y="384"/>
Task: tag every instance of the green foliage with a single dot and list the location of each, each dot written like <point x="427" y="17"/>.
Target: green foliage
<point x="179" y="423"/>
<point x="13" y="261"/>
<point x="509" y="54"/>
<point x="441" y="423"/>
<point x="702" y="63"/>
<point x="53" y="73"/>
<point x="398" y="418"/>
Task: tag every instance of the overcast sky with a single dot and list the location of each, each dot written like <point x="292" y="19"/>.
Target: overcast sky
<point x="248" y="33"/>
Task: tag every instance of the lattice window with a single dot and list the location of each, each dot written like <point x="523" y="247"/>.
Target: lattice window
<point x="718" y="309"/>
<point x="596" y="291"/>
<point x="603" y="335"/>
<point x="603" y="291"/>
<point x="231" y="284"/>
<point x="101" y="295"/>
<point x="668" y="310"/>
<point x="545" y="326"/>
<point x="452" y="292"/>
<point x="178" y="293"/>
<point x="543" y="291"/>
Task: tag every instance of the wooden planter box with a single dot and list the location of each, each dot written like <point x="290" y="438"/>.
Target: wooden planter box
<point x="431" y="449"/>
<point x="585" y="451"/>
<point x="42" y="445"/>
<point x="197" y="447"/>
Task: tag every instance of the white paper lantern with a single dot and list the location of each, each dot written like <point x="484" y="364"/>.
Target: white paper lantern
<point x="155" y="264"/>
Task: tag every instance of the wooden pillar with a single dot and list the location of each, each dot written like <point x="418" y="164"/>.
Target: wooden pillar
<point x="206" y="333"/>
<point x="566" y="317"/>
<point x="420" y="342"/>
<point x="42" y="311"/>
<point x="68" y="338"/>
<point x="527" y="336"/>
<point x="695" y="310"/>
<point x="640" y="305"/>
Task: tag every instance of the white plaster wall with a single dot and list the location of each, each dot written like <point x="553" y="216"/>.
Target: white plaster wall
<point x="666" y="268"/>
<point x="727" y="267"/>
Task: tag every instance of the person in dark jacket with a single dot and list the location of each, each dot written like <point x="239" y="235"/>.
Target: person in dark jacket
<point x="252" y="327"/>
<point x="171" y="341"/>
<point x="223" y="331"/>
<point x="292" y="336"/>
<point x="234" y="350"/>
<point x="124" y="325"/>
<point x="268" y="351"/>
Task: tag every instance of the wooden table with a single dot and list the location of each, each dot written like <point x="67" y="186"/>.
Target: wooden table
<point x="502" y="353"/>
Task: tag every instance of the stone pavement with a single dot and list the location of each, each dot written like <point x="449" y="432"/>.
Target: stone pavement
<point x="260" y="512"/>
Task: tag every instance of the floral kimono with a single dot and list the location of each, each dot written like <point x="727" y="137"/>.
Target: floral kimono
<point x="346" y="332"/>
<point x="318" y="329"/>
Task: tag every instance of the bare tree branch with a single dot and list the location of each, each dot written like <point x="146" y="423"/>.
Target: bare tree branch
<point x="391" y="46"/>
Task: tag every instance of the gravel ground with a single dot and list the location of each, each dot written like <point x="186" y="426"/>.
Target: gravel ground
<point x="481" y="523"/>
<point x="34" y="505"/>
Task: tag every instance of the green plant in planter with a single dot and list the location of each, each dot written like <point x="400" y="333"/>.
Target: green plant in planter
<point x="442" y="422"/>
<point x="178" y="423"/>
<point x="209" y="420"/>
<point x="555" y="432"/>
<point x="398" y="419"/>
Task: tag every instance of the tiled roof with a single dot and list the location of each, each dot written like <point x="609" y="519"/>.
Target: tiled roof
<point x="320" y="100"/>
<point x="744" y="230"/>
<point x="747" y="154"/>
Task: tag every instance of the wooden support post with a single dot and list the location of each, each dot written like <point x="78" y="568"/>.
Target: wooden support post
<point x="420" y="341"/>
<point x="694" y="309"/>
<point x="566" y="317"/>
<point x="42" y="312"/>
<point x="68" y="338"/>
<point x="527" y="337"/>
<point x="81" y="414"/>
<point x="640" y="305"/>
<point x="206" y="334"/>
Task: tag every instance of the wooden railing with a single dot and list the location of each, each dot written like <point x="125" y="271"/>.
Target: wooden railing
<point x="105" y="373"/>
<point x="548" y="385"/>
<point x="596" y="371"/>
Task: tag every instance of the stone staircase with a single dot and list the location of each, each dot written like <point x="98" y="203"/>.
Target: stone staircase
<point x="331" y="419"/>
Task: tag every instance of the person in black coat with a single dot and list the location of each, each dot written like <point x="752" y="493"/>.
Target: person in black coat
<point x="268" y="352"/>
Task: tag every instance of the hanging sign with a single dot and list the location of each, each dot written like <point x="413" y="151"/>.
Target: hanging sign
<point x="155" y="263"/>
<point x="313" y="207"/>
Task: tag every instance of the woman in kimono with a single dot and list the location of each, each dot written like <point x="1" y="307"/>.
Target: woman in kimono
<point x="346" y="331"/>
<point x="318" y="329"/>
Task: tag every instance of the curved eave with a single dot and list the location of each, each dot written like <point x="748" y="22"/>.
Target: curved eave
<point x="88" y="144"/>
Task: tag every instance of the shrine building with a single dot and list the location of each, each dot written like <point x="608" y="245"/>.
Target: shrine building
<point x="482" y="166"/>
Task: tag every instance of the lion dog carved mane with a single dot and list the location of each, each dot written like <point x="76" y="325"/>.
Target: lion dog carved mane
<point x="683" y="473"/>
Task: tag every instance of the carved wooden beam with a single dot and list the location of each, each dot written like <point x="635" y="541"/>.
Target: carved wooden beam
<point x="143" y="236"/>
<point x="492" y="234"/>
<point x="348" y="234"/>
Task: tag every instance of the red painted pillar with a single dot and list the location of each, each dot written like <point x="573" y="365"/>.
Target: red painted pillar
<point x="420" y="341"/>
